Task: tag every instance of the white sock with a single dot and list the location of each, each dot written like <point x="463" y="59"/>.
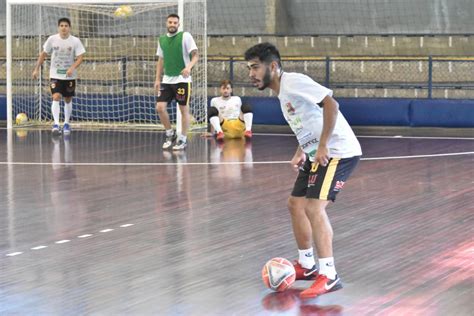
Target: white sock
<point x="55" y="110"/>
<point x="169" y="132"/>
<point x="306" y="258"/>
<point x="216" y="123"/>
<point x="67" y="112"/>
<point x="326" y="267"/>
<point x="248" y="118"/>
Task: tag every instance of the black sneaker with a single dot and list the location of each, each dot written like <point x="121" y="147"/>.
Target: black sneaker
<point x="169" y="141"/>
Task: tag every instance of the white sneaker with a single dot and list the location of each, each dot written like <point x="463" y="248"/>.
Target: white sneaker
<point x="180" y="145"/>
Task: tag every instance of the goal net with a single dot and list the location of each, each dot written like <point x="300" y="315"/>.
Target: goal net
<point x="115" y="85"/>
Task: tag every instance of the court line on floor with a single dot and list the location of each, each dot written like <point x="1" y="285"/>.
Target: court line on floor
<point x="64" y="241"/>
<point x="213" y="163"/>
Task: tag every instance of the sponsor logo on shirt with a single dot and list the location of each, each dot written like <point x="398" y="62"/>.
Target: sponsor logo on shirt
<point x="289" y="108"/>
<point x="310" y="142"/>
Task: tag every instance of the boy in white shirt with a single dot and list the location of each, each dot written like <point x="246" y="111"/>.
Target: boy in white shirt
<point x="228" y="117"/>
<point x="67" y="53"/>
<point x="328" y="152"/>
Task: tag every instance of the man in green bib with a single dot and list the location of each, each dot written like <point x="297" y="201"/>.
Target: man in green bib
<point x="177" y="53"/>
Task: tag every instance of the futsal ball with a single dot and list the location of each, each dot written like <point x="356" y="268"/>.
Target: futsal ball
<point x="123" y="11"/>
<point x="278" y="274"/>
<point x="21" y="118"/>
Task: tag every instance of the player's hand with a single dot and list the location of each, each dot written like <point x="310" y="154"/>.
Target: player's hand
<point x="185" y="72"/>
<point x="322" y="155"/>
<point x="35" y="74"/>
<point x="69" y="72"/>
<point x="297" y="160"/>
<point x="157" y="86"/>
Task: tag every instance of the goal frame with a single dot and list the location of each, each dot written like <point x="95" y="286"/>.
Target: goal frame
<point x="9" y="56"/>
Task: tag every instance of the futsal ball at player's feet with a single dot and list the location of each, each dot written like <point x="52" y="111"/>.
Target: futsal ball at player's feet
<point x="278" y="274"/>
<point x="123" y="11"/>
<point x="21" y="118"/>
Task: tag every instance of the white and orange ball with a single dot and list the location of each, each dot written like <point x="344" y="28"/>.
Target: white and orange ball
<point x="278" y="274"/>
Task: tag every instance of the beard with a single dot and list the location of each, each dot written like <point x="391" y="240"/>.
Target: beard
<point x="265" y="80"/>
<point x="172" y="30"/>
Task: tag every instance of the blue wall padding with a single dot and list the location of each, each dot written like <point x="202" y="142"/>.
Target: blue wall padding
<point x="382" y="112"/>
<point x="266" y="111"/>
<point x="358" y="111"/>
<point x="442" y="113"/>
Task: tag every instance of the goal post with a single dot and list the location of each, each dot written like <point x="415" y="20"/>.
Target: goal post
<point x="115" y="83"/>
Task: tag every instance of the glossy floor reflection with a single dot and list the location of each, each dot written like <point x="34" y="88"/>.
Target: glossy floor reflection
<point x="106" y="222"/>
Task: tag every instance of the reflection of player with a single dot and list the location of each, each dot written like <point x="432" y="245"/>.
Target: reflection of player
<point x="228" y="117"/>
<point x="65" y="193"/>
<point x="289" y="300"/>
<point x="232" y="150"/>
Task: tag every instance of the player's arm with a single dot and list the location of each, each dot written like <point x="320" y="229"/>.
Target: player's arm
<point x="41" y="58"/>
<point x="74" y="66"/>
<point x="159" y="70"/>
<point x="194" y="59"/>
<point x="330" y="111"/>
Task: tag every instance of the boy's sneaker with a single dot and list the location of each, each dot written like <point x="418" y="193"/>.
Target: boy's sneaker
<point x="220" y="136"/>
<point x="248" y="134"/>
<point x="322" y="285"/>
<point x="303" y="273"/>
<point x="180" y="145"/>
<point x="169" y="141"/>
<point x="55" y="130"/>
<point x="66" y="129"/>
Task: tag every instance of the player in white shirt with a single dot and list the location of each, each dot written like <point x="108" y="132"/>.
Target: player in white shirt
<point x="66" y="53"/>
<point x="328" y="152"/>
<point x="228" y="117"/>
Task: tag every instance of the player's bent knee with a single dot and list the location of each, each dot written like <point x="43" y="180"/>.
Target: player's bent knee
<point x="212" y="112"/>
<point x="57" y="97"/>
<point x="295" y="205"/>
<point x="246" y="108"/>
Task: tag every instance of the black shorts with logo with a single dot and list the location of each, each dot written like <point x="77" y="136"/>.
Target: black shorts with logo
<point x="323" y="183"/>
<point x="66" y="88"/>
<point x="177" y="91"/>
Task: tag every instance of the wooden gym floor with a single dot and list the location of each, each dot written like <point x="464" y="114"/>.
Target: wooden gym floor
<point x="106" y="223"/>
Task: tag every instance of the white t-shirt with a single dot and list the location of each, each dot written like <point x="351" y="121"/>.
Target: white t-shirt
<point x="299" y="97"/>
<point x="188" y="46"/>
<point x="63" y="53"/>
<point x="228" y="108"/>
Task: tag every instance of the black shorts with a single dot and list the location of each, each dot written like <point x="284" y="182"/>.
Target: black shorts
<point x="178" y="91"/>
<point x="67" y="88"/>
<point x="323" y="183"/>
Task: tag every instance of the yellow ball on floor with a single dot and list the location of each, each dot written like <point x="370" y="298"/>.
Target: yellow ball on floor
<point x="21" y="118"/>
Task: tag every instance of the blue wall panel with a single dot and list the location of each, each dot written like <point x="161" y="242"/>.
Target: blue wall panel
<point x="362" y="112"/>
<point x="442" y="113"/>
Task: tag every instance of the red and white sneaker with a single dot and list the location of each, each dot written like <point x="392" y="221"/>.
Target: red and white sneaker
<point x="248" y="134"/>
<point x="322" y="285"/>
<point x="303" y="273"/>
<point x="220" y="136"/>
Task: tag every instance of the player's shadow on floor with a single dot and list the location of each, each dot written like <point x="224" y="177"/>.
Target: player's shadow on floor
<point x="289" y="299"/>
